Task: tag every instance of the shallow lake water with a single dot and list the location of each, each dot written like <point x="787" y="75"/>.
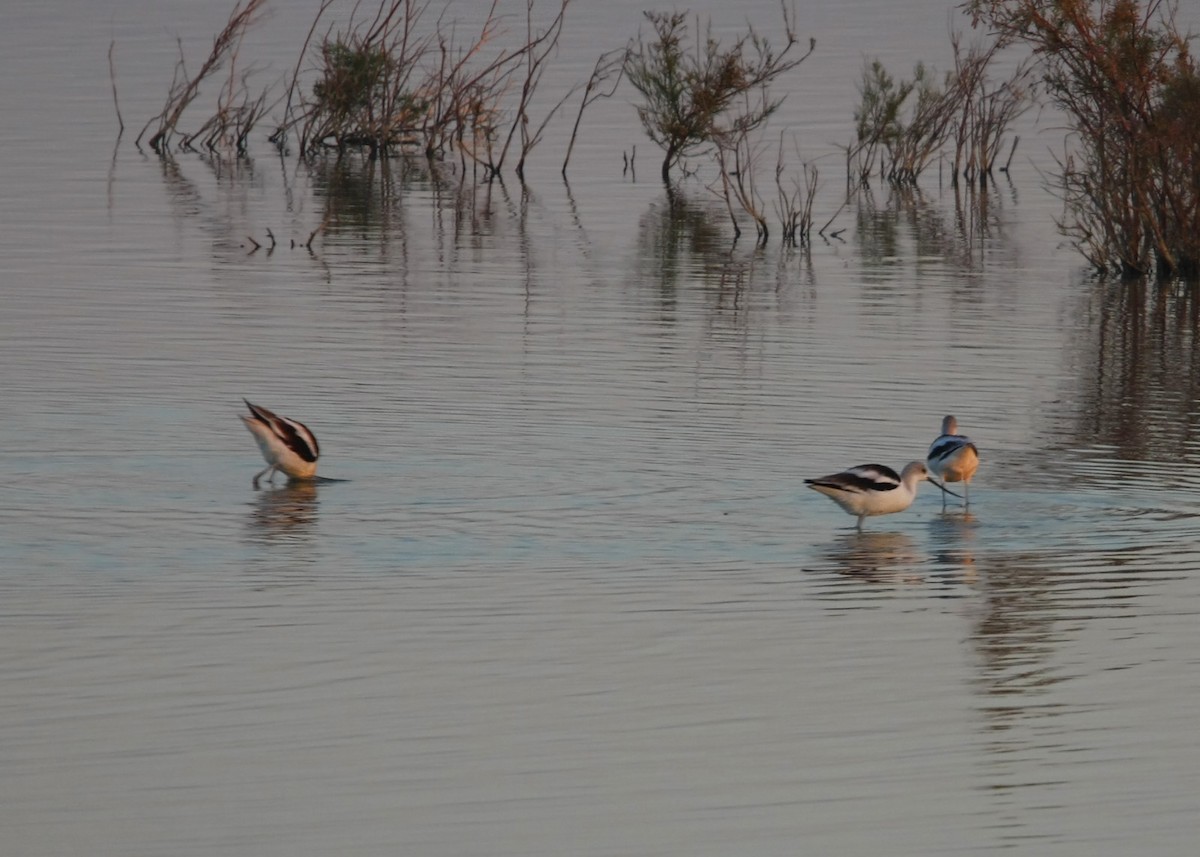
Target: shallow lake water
<point x="570" y="594"/>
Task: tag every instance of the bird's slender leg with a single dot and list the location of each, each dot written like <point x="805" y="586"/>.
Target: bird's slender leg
<point x="966" y="495"/>
<point x="860" y="520"/>
<point x="270" y="468"/>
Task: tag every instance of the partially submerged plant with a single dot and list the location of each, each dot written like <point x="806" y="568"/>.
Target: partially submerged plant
<point x="695" y="94"/>
<point x="902" y="141"/>
<point x="737" y="161"/>
<point x="986" y="111"/>
<point x="1129" y="85"/>
<point x="381" y="86"/>
<point x="367" y="90"/>
<point x="610" y="65"/>
<point x="794" y="203"/>
<point x="923" y="136"/>
<point x="876" y="119"/>
<point x="238" y="116"/>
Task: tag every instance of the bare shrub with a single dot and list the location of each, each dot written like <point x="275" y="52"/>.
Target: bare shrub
<point x="918" y="142"/>
<point x="694" y="94"/>
<point x="876" y="121"/>
<point x="901" y="141"/>
<point x="794" y="201"/>
<point x="986" y="111"/>
<point x="185" y="88"/>
<point x="609" y="66"/>
<point x="737" y="163"/>
<point x="366" y="93"/>
<point x="1124" y="75"/>
<point x="384" y="86"/>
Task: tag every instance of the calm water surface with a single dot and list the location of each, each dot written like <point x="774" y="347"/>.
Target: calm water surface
<point x="572" y="596"/>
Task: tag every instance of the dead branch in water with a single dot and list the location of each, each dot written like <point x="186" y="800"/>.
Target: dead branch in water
<point x="312" y="235"/>
<point x="231" y="124"/>
<point x="609" y="64"/>
<point x="737" y="161"/>
<point x="112" y="76"/>
<point x="538" y="50"/>
<point x="382" y="88"/>
<point x="986" y="111"/>
<point x="281" y="132"/>
<point x="965" y="107"/>
<point x="184" y="89"/>
<point x="794" y="205"/>
<point x="468" y="101"/>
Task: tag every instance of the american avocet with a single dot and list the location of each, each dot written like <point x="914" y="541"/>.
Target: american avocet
<point x="954" y="458"/>
<point x="872" y="489"/>
<point x="287" y="445"/>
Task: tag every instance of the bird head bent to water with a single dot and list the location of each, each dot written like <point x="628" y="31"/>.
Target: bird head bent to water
<point x="917" y="471"/>
<point x="873" y="489"/>
<point x="287" y="445"/>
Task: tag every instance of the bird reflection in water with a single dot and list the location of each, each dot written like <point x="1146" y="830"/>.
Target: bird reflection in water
<point x="875" y="557"/>
<point x="952" y="535"/>
<point x="287" y="511"/>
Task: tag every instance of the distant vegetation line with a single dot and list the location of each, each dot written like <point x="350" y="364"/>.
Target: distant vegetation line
<point x="396" y="81"/>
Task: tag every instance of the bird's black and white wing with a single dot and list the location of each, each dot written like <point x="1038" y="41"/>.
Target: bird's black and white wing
<point x="291" y="433"/>
<point x="864" y="479"/>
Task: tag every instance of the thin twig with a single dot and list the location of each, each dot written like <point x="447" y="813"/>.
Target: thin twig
<point x="605" y="66"/>
<point x="112" y="76"/>
<point x="318" y="230"/>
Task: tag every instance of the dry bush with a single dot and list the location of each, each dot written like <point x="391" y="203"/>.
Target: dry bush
<point x="391" y="83"/>
<point x="794" y="202"/>
<point x="876" y="121"/>
<point x="706" y="96"/>
<point x="737" y="161"/>
<point x="901" y="141"/>
<point x="1124" y="75"/>
<point x="897" y="140"/>
<point x="918" y="142"/>
<point x="985" y="111"/>
<point x="237" y="110"/>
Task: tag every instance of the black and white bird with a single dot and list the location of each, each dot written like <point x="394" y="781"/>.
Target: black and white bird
<point x="873" y="489"/>
<point x="287" y="445"/>
<point x="953" y="457"/>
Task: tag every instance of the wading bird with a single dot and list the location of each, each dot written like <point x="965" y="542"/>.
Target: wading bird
<point x="872" y="489"/>
<point x="287" y="445"/>
<point x="953" y="457"/>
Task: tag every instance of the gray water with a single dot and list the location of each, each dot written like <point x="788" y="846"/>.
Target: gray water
<point x="572" y="596"/>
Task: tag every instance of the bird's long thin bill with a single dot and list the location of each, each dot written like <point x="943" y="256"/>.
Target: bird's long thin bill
<point x="944" y="488"/>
